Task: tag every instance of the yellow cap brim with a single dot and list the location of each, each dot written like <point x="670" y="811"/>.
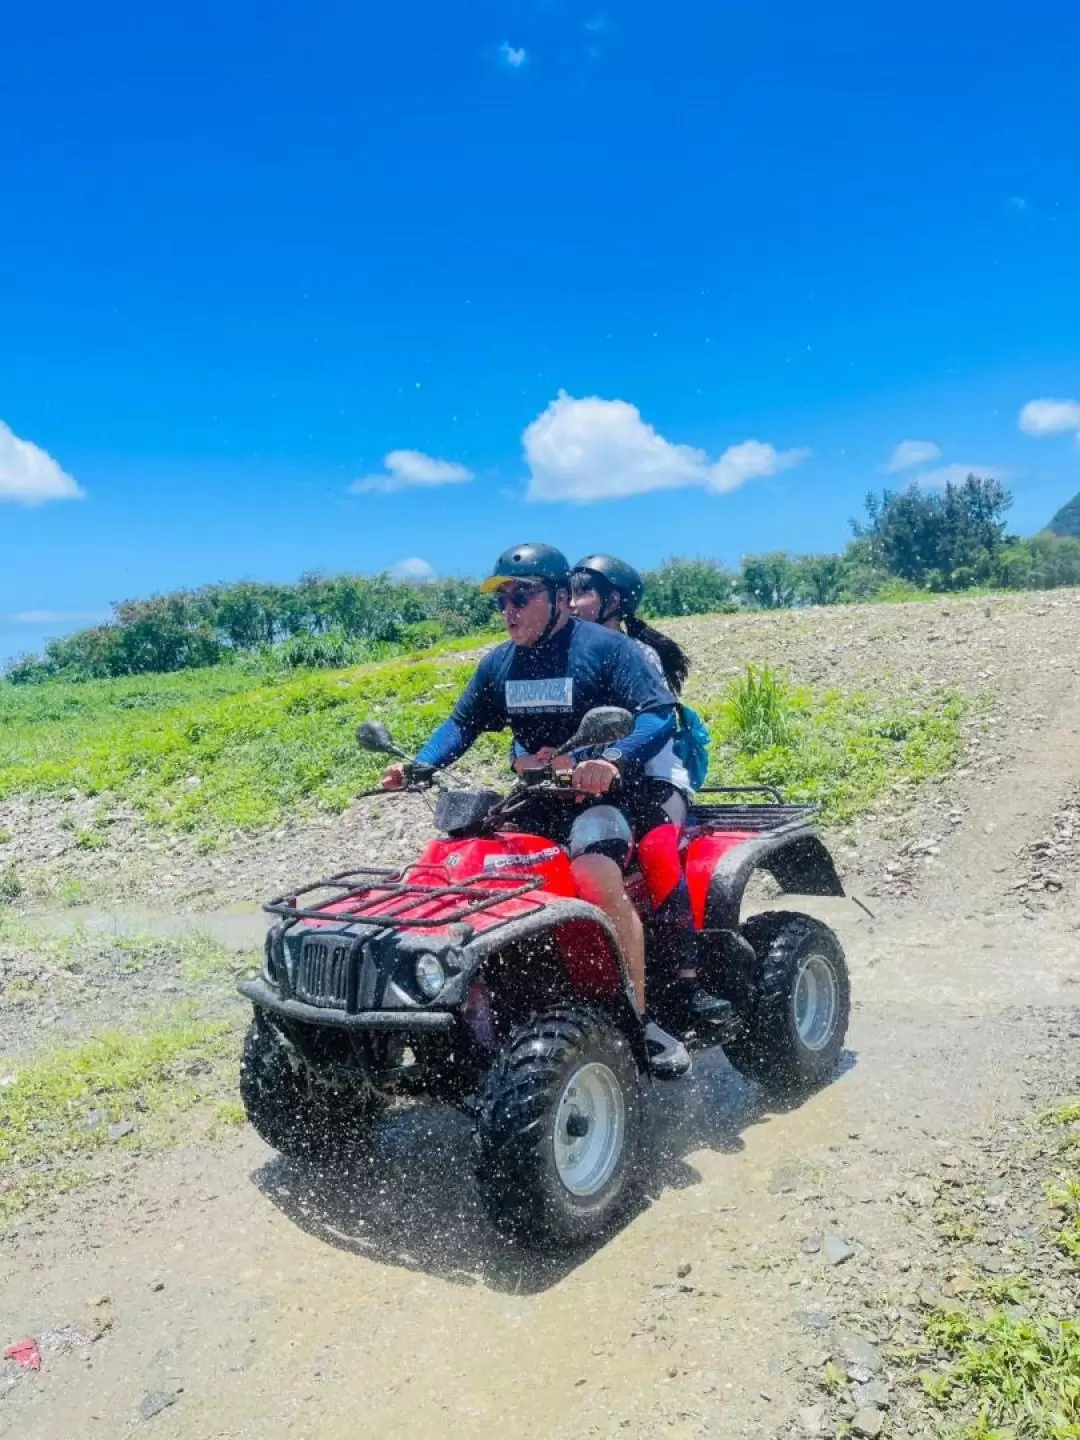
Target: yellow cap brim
<point x="493" y="582"/>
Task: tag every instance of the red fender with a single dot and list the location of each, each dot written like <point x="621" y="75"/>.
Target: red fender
<point x="703" y="855"/>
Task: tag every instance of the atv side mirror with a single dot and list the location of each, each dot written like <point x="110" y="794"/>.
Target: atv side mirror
<point x="600" y="726"/>
<point x="373" y="735"/>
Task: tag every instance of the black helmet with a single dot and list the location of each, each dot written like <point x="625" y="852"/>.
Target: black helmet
<point x="618" y="575"/>
<point x="530" y="562"/>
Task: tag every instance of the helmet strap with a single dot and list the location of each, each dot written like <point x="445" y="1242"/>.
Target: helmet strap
<point x="553" y="617"/>
<point x="610" y="609"/>
<point x="610" y="600"/>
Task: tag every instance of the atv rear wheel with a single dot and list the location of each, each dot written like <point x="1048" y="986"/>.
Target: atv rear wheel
<point x="558" y="1128"/>
<point x="797" y="1017"/>
<point x="290" y="1110"/>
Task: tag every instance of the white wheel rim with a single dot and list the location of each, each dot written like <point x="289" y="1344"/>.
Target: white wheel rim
<point x="816" y="1002"/>
<point x="590" y="1124"/>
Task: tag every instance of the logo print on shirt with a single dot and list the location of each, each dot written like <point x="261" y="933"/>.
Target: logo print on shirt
<point x="532" y="697"/>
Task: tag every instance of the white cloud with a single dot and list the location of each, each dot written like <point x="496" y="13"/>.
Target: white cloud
<point x="413" y="569"/>
<point x="593" y="449"/>
<point x="406" y="469"/>
<point x="1050" y="417"/>
<point x="511" y="58"/>
<point x="957" y="474"/>
<point x="30" y="476"/>
<point x="912" y="452"/>
<point x="54" y="617"/>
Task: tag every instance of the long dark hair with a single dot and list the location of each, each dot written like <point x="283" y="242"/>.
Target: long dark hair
<point x="673" y="658"/>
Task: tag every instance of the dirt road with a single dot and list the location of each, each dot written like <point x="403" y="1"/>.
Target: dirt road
<point x="248" y="1298"/>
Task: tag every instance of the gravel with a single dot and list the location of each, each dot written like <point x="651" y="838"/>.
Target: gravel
<point x="837" y="1250"/>
<point x="996" y="1209"/>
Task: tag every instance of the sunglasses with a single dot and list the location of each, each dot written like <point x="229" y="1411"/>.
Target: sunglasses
<point x="518" y="597"/>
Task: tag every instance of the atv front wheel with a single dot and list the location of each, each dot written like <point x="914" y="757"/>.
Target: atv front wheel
<point x="797" y="1016"/>
<point x="290" y="1110"/>
<point x="558" y="1128"/>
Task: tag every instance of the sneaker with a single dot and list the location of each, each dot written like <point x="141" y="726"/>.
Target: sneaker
<point x="697" y="1006"/>
<point x="668" y="1057"/>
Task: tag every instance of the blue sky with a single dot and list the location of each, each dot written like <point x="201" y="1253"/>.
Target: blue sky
<point x="248" y="252"/>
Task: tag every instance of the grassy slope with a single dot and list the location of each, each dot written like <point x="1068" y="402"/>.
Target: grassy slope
<point x="213" y="749"/>
<point x="218" y="746"/>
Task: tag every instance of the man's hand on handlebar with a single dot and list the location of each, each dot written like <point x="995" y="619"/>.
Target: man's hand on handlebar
<point x="393" y="777"/>
<point x="590" y="777"/>
<point x="540" y="761"/>
<point x="595" y="777"/>
<point x="408" y="775"/>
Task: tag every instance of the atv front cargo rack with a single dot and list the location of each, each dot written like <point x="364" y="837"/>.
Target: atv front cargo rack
<point x="389" y="900"/>
<point x="762" y="817"/>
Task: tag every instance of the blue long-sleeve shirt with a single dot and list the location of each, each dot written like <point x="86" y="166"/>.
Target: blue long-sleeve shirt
<point x="543" y="691"/>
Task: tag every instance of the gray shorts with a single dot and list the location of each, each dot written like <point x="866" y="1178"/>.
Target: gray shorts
<point x="602" y="830"/>
<point x="594" y="828"/>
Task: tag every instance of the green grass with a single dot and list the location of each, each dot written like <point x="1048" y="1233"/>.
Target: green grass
<point x="1016" y="1375"/>
<point x="1067" y="1114"/>
<point x="1064" y="1195"/>
<point x="757" y="712"/>
<point x="213" y="751"/>
<point x="1063" y="1189"/>
<point x="842" y="751"/>
<point x="1012" y="1365"/>
<point x="217" y="749"/>
<point x="57" y="1112"/>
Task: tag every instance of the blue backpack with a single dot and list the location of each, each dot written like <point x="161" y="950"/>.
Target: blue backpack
<point x="691" y="744"/>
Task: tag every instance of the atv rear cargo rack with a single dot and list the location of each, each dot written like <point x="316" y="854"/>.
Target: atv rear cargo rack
<point x="757" y="817"/>
<point x="359" y="893"/>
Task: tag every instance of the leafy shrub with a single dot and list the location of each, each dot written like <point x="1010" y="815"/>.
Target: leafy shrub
<point x="689" y="587"/>
<point x="757" y="708"/>
<point x="331" y="651"/>
<point x="319" y="622"/>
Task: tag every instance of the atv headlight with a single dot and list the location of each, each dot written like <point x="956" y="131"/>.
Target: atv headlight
<point x="269" y="968"/>
<point x="430" y="975"/>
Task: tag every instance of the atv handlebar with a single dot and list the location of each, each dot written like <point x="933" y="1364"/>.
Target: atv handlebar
<point x="561" y="781"/>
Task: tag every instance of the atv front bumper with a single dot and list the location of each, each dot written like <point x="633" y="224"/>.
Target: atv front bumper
<point x="428" y="1022"/>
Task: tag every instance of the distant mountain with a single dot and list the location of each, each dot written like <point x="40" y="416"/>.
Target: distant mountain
<point x="1067" y="519"/>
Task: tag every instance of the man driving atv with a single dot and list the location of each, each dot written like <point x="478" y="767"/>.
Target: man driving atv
<point x="551" y="670"/>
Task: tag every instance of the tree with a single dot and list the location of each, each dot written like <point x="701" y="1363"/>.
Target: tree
<point x="819" y="579"/>
<point x="769" y="581"/>
<point x="942" y="539"/>
<point x="688" y="587"/>
<point x="1054" y="560"/>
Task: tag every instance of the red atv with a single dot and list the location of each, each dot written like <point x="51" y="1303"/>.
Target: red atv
<point x="477" y="977"/>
